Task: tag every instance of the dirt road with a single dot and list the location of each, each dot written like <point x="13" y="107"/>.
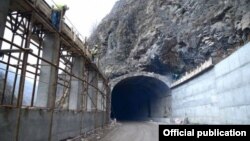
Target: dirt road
<point x="133" y="131"/>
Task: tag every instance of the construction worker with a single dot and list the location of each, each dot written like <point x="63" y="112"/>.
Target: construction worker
<point x="94" y="52"/>
<point x="57" y="14"/>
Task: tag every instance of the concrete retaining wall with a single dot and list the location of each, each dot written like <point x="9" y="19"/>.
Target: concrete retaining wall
<point x="220" y="95"/>
<point x="35" y="124"/>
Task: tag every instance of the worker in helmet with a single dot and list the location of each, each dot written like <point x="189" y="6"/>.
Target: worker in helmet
<point x="58" y="12"/>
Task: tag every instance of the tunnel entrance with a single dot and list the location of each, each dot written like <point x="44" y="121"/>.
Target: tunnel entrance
<point x="140" y="98"/>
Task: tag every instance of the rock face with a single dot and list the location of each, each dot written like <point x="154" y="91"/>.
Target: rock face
<point x="169" y="36"/>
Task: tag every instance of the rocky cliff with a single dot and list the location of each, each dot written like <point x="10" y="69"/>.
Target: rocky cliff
<point x="169" y="36"/>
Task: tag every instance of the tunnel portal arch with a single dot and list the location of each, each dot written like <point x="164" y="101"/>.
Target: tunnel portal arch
<point x="140" y="98"/>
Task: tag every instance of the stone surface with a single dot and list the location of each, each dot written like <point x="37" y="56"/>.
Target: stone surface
<point x="169" y="36"/>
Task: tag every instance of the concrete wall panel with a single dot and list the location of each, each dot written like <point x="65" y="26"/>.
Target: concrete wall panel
<point x="66" y="124"/>
<point x="218" y="96"/>
<point x="33" y="125"/>
<point x="88" y="121"/>
<point x="7" y="123"/>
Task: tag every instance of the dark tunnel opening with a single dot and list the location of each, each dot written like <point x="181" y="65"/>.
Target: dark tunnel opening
<point x="139" y="98"/>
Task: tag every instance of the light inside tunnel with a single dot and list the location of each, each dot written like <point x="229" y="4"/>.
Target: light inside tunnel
<point x="139" y="98"/>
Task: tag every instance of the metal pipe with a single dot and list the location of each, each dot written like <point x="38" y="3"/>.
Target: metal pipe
<point x="16" y="74"/>
<point x="6" y="72"/>
<point x="36" y="74"/>
<point x="5" y="51"/>
<point x="22" y="79"/>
